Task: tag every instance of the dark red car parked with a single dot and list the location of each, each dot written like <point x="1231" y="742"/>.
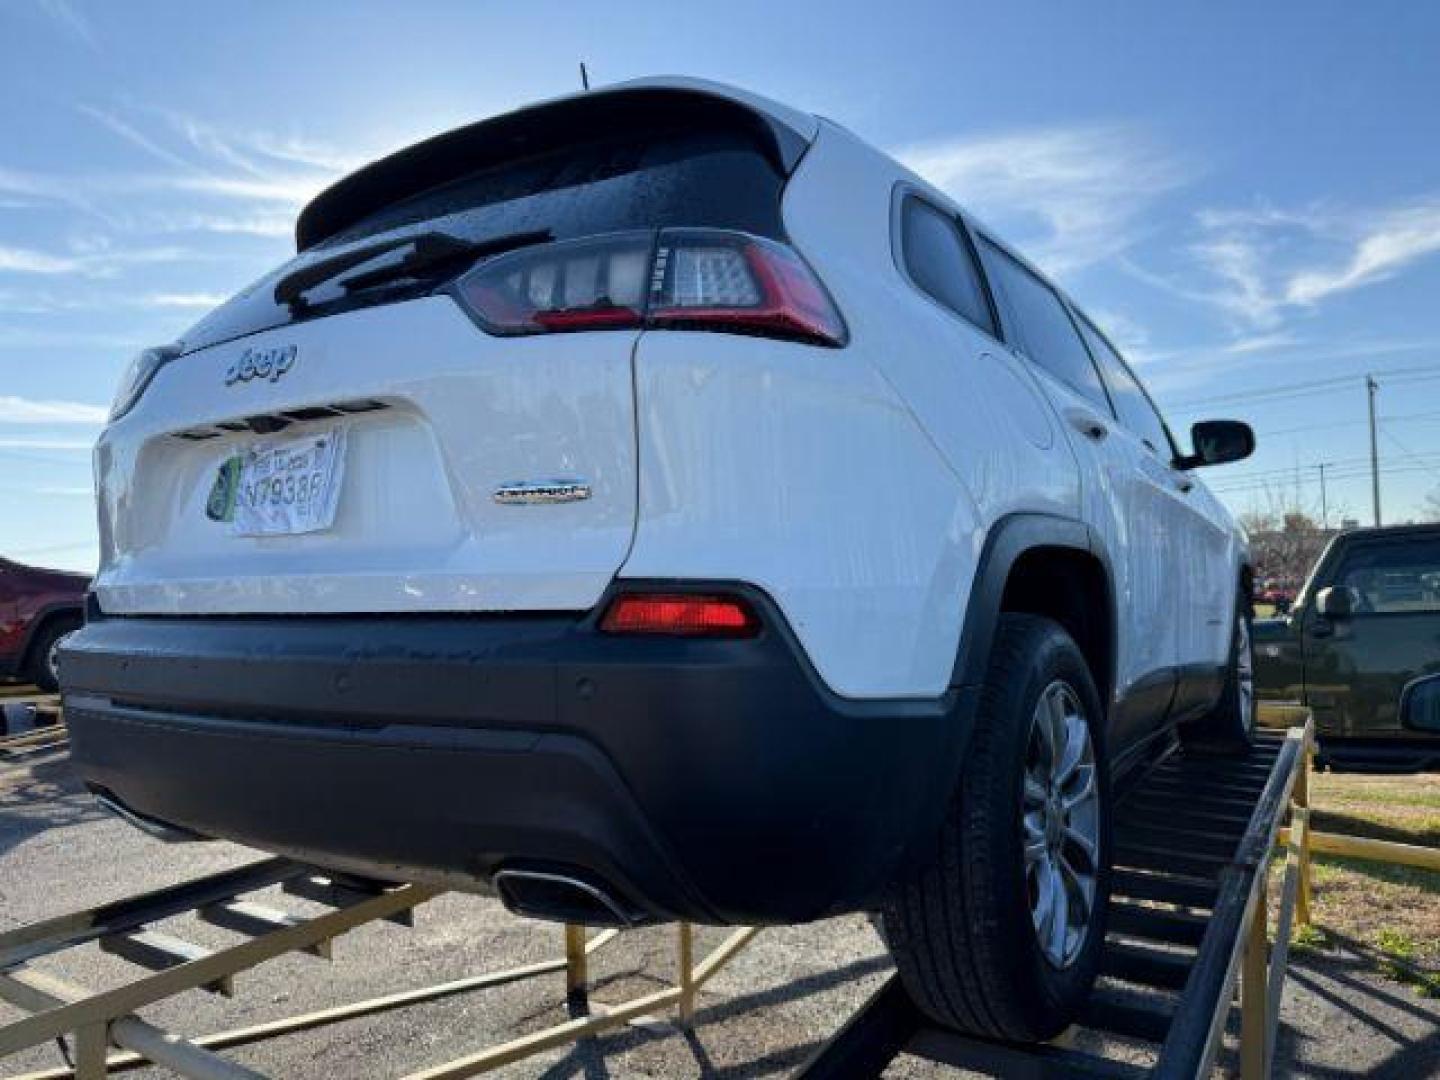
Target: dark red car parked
<point x="38" y="607"/>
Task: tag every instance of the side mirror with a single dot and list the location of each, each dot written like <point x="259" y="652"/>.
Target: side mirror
<point x="1420" y="705"/>
<point x="1219" y="442"/>
<point x="1335" y="603"/>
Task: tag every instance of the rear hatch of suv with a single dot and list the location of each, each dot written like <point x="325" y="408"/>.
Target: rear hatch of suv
<point x="432" y="407"/>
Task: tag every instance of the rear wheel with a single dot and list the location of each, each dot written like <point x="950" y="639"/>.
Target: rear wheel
<point x="1229" y="728"/>
<point x="44" y="665"/>
<point x="998" y="931"/>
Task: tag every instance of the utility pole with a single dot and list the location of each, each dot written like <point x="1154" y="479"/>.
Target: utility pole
<point x="1324" y="503"/>
<point x="1370" y="387"/>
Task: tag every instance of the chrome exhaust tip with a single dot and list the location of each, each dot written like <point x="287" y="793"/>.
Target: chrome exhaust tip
<point x="540" y="894"/>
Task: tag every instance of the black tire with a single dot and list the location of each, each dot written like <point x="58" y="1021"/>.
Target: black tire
<point x="959" y="924"/>
<point x="38" y="668"/>
<point x="1229" y="728"/>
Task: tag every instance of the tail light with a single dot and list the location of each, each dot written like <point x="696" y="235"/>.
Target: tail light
<point x="693" y="279"/>
<point x="680" y="614"/>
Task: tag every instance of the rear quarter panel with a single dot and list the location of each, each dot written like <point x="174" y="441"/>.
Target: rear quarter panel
<point x="855" y="485"/>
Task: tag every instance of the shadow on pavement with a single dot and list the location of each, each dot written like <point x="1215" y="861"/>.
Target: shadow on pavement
<point x="45" y="795"/>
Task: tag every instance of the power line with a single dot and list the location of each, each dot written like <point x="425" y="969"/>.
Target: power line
<point x="1411" y="454"/>
<point x="1361" y="472"/>
<point x="1341" y="466"/>
<point x="1280" y="392"/>
<point x="1310" y="428"/>
<point x="1289" y="470"/>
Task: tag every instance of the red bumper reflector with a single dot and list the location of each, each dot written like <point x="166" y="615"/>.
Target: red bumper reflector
<point x="680" y="614"/>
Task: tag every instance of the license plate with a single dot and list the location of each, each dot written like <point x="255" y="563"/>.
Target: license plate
<point x="283" y="488"/>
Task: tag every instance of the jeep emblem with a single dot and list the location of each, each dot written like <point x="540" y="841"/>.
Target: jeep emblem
<point x="264" y="364"/>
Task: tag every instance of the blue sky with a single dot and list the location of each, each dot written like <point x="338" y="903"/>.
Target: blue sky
<point x="1247" y="196"/>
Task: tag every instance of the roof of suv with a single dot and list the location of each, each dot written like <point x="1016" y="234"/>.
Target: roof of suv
<point x="1382" y="531"/>
<point x="465" y="150"/>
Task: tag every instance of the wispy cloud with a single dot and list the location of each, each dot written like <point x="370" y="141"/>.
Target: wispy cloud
<point x="1388" y="243"/>
<point x="19" y="410"/>
<point x="27" y="261"/>
<point x="182" y="300"/>
<point x="1259" y="343"/>
<point x="220" y="165"/>
<point x="134" y="137"/>
<point x="194" y="177"/>
<point x="98" y="261"/>
<point x="1263" y="265"/>
<point x="259" y="152"/>
<point x="74" y="445"/>
<point x="258" y="222"/>
<point x="58" y="301"/>
<point x="63" y="337"/>
<point x="1072" y="196"/>
<point x="63" y="15"/>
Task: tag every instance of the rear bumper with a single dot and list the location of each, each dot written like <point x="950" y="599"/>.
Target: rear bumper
<point x="717" y="781"/>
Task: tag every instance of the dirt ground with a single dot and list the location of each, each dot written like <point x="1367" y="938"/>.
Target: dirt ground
<point x="1360" y="1000"/>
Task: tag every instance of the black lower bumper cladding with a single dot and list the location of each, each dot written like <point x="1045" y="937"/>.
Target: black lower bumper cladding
<point x="712" y="780"/>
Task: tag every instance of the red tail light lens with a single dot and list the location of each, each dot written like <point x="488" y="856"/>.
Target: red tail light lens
<point x="708" y="280"/>
<point x="594" y="284"/>
<point x="680" y="614"/>
<point x="697" y="279"/>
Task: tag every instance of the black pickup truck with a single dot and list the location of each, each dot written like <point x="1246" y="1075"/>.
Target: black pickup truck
<point x="1361" y="648"/>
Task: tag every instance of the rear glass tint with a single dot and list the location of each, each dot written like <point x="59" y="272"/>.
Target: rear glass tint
<point x="717" y="178"/>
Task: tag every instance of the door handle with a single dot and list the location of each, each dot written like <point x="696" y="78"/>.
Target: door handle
<point x="1087" y="423"/>
<point x="1321" y="628"/>
<point x="1184" y="484"/>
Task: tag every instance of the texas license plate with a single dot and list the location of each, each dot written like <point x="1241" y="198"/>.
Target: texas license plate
<point x="281" y="488"/>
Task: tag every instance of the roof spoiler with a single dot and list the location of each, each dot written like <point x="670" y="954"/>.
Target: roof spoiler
<point x="650" y="104"/>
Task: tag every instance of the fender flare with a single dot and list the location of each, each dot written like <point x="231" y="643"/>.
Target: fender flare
<point x="1008" y="539"/>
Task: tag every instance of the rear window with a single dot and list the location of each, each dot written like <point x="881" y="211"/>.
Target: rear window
<point x="720" y="178"/>
<point x="716" y="179"/>
<point x="1040" y="325"/>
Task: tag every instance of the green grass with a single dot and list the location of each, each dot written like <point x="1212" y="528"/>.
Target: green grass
<point x="1401" y="961"/>
<point x="1308" y="940"/>
<point x="1390" y="914"/>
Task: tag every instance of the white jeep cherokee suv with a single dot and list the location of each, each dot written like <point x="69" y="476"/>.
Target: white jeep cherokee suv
<point x="657" y="503"/>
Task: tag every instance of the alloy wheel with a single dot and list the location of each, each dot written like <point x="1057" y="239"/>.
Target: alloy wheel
<point x="52" y="657"/>
<point x="1061" y="818"/>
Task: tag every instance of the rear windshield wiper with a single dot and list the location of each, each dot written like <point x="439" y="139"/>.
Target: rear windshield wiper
<point x="428" y="250"/>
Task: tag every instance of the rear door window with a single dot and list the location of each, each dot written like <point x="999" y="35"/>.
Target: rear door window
<point x="939" y="260"/>
<point x="1036" y="320"/>
<point x="1132" y="404"/>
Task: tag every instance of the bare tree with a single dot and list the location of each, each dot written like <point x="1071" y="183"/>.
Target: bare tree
<point x="1430" y="508"/>
<point x="1285" y="537"/>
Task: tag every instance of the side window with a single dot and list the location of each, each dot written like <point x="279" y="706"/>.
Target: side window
<point x="1132" y="404"/>
<point x="938" y="258"/>
<point x="1040" y="324"/>
<point x="1393" y="578"/>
